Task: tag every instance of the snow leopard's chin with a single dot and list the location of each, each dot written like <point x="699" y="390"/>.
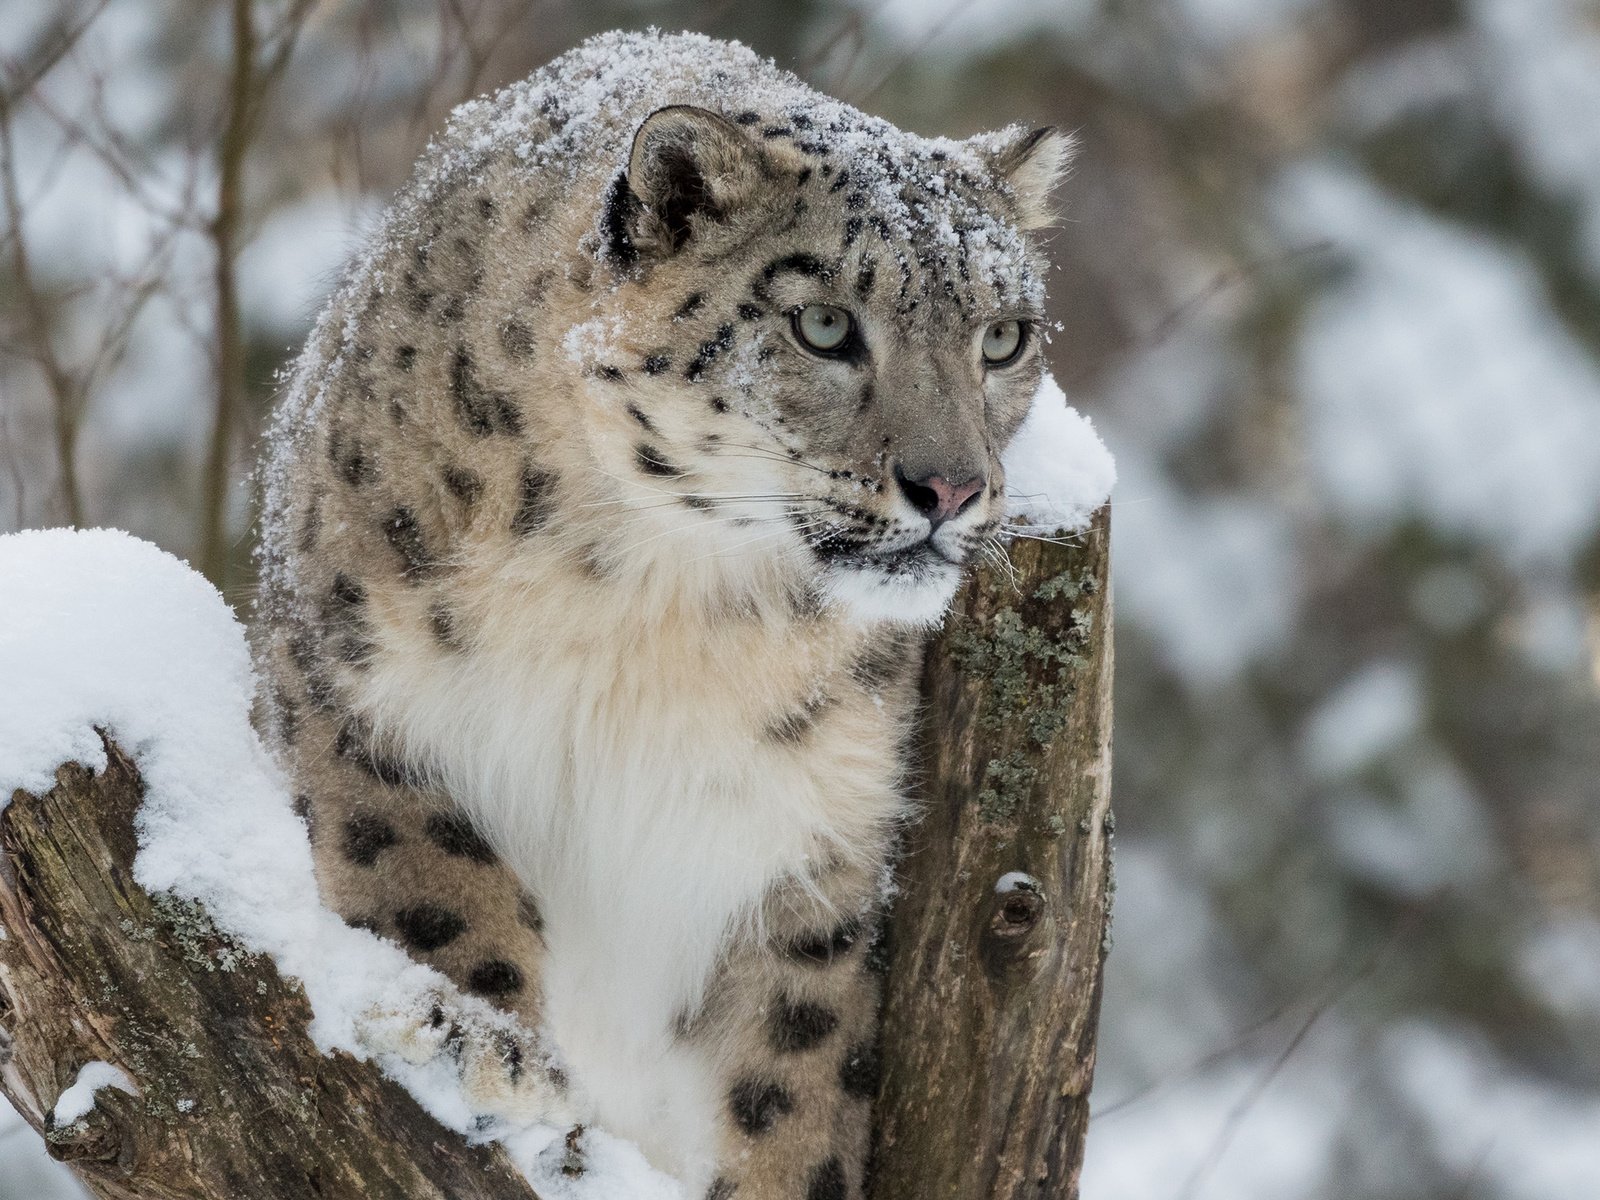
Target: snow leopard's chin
<point x="911" y="589"/>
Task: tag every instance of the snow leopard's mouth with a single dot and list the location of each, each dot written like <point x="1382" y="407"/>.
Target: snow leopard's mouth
<point x="839" y="550"/>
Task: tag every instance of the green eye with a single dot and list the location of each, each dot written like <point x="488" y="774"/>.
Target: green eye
<point x="823" y="327"/>
<point x="1002" y="342"/>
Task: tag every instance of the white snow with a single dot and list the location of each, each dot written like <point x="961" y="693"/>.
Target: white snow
<point x="1013" y="881"/>
<point x="104" y="630"/>
<point x="1058" y="471"/>
<point x="78" y="1100"/>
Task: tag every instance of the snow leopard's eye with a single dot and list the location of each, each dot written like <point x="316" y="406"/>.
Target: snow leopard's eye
<point x="1003" y="341"/>
<point x="823" y="328"/>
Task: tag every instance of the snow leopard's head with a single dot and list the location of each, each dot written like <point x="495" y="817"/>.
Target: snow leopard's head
<point x="824" y="335"/>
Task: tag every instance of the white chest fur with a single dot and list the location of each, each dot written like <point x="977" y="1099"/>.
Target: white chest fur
<point x="625" y="766"/>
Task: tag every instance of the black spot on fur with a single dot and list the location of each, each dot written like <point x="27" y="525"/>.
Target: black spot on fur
<point x="708" y="352"/>
<point x="656" y="364"/>
<point x="405" y="357"/>
<point x="866" y="277"/>
<point x="610" y="374"/>
<point x="792" y="728"/>
<point x="486" y="207"/>
<point x="652" y="462"/>
<point x="751" y="312"/>
<point x="494" y="977"/>
<point x="748" y="118"/>
<point x="466" y="486"/>
<point x="699" y="503"/>
<point x="721" y="1188"/>
<point x="355" y="746"/>
<point x="797" y="1026"/>
<point x="718" y="404"/>
<point x="510" y="1056"/>
<point x="311" y="528"/>
<point x="365" y="837"/>
<point x="429" y="926"/>
<point x="856" y="200"/>
<point x="354" y="465"/>
<point x="822" y="948"/>
<point x="859" y="1072"/>
<point x="805" y="172"/>
<point x="483" y="411"/>
<point x="346" y="593"/>
<point x="638" y="415"/>
<point x="617" y="215"/>
<point x="516" y="338"/>
<point x="401" y="531"/>
<point x="777" y="131"/>
<point x="303" y="810"/>
<point x="535" y="500"/>
<point x="842" y="182"/>
<point x="453" y="833"/>
<point x="692" y="304"/>
<point x="827" y="1182"/>
<point x="528" y="913"/>
<point x="757" y="1105"/>
<point x="444" y="626"/>
<point x="798" y="264"/>
<point x="418" y="298"/>
<point x="288" y="715"/>
<point x="882" y="662"/>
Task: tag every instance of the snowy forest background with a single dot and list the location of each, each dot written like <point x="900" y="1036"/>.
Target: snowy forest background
<point x="1329" y="287"/>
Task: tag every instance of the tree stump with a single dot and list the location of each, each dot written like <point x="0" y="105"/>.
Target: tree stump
<point x="236" y="1103"/>
<point x="1001" y="928"/>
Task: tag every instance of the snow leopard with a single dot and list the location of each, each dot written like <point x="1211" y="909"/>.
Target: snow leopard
<point x="605" y="515"/>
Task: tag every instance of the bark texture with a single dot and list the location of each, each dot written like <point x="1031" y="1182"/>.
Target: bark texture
<point x="1001" y="929"/>
<point x="237" y="1104"/>
<point x="992" y="994"/>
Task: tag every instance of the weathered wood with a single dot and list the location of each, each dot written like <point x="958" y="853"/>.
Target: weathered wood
<point x="236" y="1104"/>
<point x="994" y="991"/>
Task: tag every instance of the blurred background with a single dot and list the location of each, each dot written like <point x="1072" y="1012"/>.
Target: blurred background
<point x="1330" y="288"/>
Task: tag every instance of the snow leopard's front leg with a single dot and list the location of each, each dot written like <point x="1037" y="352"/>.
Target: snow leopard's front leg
<point x="791" y="1021"/>
<point x="397" y="858"/>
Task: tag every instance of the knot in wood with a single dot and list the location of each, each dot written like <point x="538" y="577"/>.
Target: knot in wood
<point x="1017" y="913"/>
<point x="93" y="1138"/>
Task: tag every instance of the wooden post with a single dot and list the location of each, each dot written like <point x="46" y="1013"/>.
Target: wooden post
<point x="1001" y="928"/>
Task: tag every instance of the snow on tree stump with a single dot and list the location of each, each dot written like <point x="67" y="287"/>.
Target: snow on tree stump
<point x="236" y="1101"/>
<point x="994" y="952"/>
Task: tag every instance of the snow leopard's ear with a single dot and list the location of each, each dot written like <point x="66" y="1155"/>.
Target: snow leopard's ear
<point x="1033" y="162"/>
<point x="688" y="166"/>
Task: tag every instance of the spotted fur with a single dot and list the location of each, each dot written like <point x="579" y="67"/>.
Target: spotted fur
<point x="593" y="596"/>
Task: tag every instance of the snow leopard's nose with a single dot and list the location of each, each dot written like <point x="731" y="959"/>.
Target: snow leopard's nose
<point x="935" y="497"/>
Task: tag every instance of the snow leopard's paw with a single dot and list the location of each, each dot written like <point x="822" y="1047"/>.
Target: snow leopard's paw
<point x="506" y="1076"/>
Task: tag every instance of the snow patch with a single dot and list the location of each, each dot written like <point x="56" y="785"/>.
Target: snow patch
<point x="1058" y="471"/>
<point x="78" y="1100"/>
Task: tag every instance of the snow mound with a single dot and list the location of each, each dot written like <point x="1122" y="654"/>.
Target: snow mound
<point x="1058" y="471"/>
<point x="102" y="629"/>
<point x="78" y="1100"/>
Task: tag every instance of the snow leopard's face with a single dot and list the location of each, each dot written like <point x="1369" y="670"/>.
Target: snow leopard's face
<point x="849" y="340"/>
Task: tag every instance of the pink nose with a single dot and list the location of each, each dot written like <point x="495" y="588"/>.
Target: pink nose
<point x="937" y="498"/>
